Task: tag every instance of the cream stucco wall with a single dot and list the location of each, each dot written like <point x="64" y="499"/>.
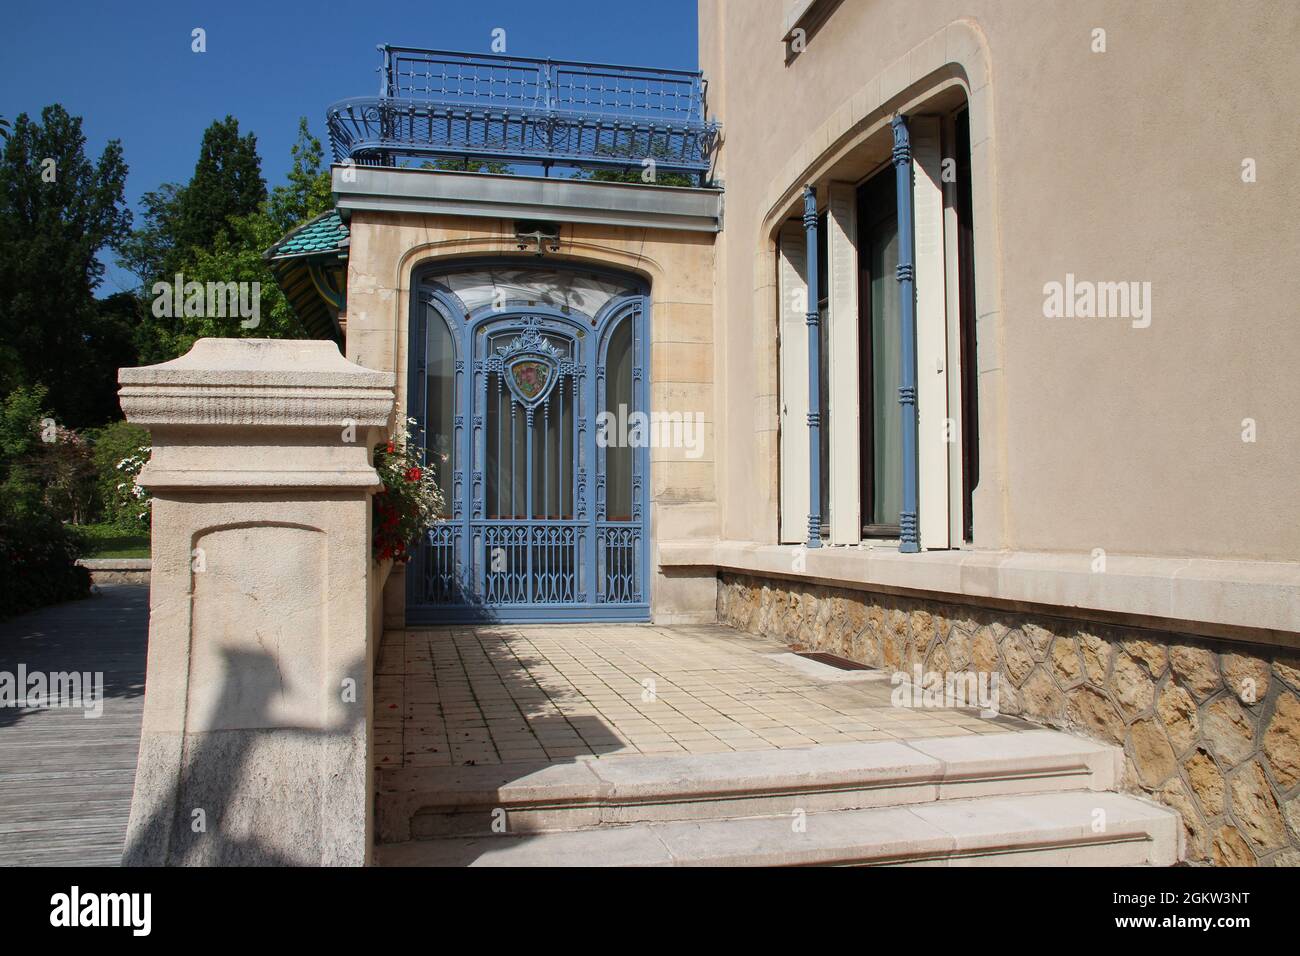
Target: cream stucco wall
<point x="1116" y="166"/>
<point x="386" y="248"/>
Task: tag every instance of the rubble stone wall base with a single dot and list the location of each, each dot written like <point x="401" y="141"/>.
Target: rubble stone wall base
<point x="1209" y="728"/>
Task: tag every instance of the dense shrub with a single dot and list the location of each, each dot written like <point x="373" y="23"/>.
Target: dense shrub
<point x="47" y="478"/>
<point x="38" y="554"/>
<point x="45" y="468"/>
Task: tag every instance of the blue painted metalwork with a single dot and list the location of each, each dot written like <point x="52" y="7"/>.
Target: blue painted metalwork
<point x="439" y="103"/>
<point x="908" y="529"/>
<point x="814" y="372"/>
<point x="525" y="539"/>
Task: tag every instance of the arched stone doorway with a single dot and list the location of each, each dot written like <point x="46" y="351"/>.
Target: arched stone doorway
<point x="513" y="365"/>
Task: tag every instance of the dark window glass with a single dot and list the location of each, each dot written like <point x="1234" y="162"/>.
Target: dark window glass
<point x="879" y="345"/>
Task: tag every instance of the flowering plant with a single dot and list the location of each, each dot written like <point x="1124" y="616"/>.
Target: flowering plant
<point x="131" y="498"/>
<point x="409" y="504"/>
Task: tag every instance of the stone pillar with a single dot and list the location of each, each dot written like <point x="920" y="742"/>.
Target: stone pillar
<point x="257" y="714"/>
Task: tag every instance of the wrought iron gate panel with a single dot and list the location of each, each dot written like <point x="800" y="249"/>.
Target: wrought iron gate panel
<point x="526" y="534"/>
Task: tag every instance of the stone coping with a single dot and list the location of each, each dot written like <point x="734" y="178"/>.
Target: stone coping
<point x="1255" y="601"/>
<point x="116" y="564"/>
<point x="446" y="192"/>
<point x="256" y="383"/>
<point x="253" y="363"/>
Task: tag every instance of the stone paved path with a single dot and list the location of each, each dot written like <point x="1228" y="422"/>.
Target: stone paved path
<point x="65" y="780"/>
<point x="497" y="694"/>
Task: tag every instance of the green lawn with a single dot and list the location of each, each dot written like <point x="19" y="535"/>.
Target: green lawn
<point x="106" y="541"/>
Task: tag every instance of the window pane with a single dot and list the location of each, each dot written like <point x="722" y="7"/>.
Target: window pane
<point x="824" y="419"/>
<point x="618" y="391"/>
<point x="505" y="442"/>
<point x="553" y="437"/>
<point x="887" y="497"/>
<point x="440" y="404"/>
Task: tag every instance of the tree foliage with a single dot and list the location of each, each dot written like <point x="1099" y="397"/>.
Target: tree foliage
<point x="227" y="184"/>
<point x="227" y="243"/>
<point x="58" y="211"/>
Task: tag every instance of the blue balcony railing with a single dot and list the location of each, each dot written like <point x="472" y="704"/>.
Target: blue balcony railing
<point x="514" y="110"/>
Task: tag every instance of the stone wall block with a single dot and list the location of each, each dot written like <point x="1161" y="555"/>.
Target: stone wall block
<point x="1230" y="849"/>
<point x="1150" y="752"/>
<point x="1177" y="711"/>
<point x="1066" y="664"/>
<point x="1197" y="669"/>
<point x="1096" y="715"/>
<point x="1041" y="699"/>
<point x="1016" y="657"/>
<point x="1287" y="669"/>
<point x="1131" y="686"/>
<point x="1229" y="730"/>
<point x="1255" y="809"/>
<point x="1175" y="794"/>
<point x="1246" y="676"/>
<point x="1040" y="639"/>
<point x="1096" y="656"/>
<point x="1206" y="781"/>
<point x="1152" y="655"/>
<point x="958" y="645"/>
<point x="1282" y="740"/>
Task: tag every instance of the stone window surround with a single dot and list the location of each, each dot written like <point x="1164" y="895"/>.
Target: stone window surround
<point x="1244" y="600"/>
<point x="953" y="58"/>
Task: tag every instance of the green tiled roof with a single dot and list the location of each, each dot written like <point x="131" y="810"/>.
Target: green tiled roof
<point x="325" y="233"/>
<point x="310" y="266"/>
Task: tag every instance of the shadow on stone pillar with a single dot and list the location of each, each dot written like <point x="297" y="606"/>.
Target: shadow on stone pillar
<point x="258" y="705"/>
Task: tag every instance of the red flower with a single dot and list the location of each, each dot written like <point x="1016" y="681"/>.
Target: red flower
<point x="390" y="448"/>
<point x="413" y="474"/>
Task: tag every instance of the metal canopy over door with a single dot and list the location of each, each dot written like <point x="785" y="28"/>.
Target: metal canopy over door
<point x="511" y="369"/>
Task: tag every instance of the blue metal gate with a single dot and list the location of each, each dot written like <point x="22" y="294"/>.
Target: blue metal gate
<point x="516" y="376"/>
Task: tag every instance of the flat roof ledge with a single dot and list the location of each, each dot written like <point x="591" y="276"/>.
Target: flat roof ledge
<point x="496" y="196"/>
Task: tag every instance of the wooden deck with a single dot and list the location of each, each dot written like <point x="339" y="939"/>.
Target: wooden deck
<point x="65" y="780"/>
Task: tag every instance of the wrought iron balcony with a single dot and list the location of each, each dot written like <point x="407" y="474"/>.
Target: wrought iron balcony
<point x="514" y="110"/>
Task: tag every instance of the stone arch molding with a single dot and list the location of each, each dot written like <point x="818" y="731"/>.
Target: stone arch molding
<point x="578" y="253"/>
<point x="959" y="50"/>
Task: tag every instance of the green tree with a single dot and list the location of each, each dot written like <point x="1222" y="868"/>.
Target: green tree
<point x="227" y="183"/>
<point x="636" y="170"/>
<point x="169" y="241"/>
<point x="150" y="249"/>
<point x="20" y="415"/>
<point x="58" y="211"/>
<point x="309" y="191"/>
<point x="467" y="165"/>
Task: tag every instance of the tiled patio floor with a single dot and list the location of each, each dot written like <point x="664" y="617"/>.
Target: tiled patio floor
<point x="503" y="693"/>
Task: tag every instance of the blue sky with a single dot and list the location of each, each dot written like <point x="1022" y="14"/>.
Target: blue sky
<point x="126" y="66"/>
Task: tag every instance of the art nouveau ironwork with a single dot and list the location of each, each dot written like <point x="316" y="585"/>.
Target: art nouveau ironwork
<point x="508" y="376"/>
<point x="438" y="103"/>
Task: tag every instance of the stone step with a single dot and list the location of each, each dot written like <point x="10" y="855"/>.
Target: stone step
<point x="1046" y="829"/>
<point x="526" y="798"/>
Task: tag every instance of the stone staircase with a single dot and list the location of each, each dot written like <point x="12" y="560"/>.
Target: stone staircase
<point x="1031" y="798"/>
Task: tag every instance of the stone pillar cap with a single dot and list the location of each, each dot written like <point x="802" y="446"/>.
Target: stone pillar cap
<point x="257" y="382"/>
